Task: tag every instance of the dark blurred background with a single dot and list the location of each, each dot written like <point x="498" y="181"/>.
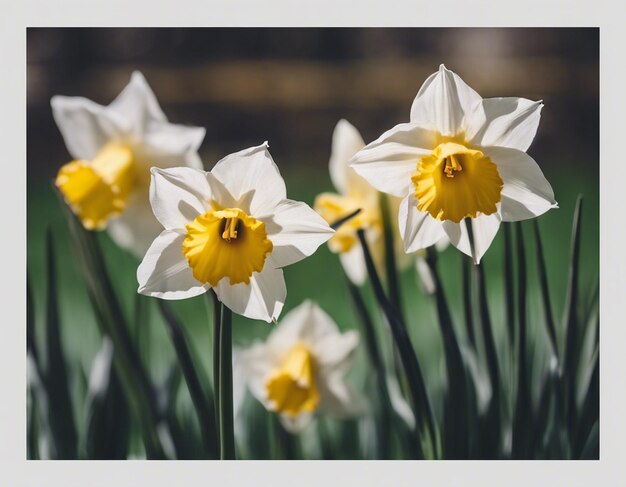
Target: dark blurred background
<point x="290" y="87"/>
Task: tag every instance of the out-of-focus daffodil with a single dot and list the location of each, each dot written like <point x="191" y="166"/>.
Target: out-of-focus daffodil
<point x="232" y="229"/>
<point x="114" y="147"/>
<point x="460" y="156"/>
<point x="354" y="193"/>
<point x="301" y="368"/>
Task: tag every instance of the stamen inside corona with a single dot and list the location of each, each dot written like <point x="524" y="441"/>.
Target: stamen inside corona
<point x="226" y="243"/>
<point x="98" y="190"/>
<point x="455" y="182"/>
<point x="291" y="387"/>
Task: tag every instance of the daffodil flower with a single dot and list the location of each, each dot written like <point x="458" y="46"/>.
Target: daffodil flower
<point x="354" y="193"/>
<point x="301" y="368"/>
<point x="113" y="147"/>
<point x="231" y="229"/>
<point x="460" y="156"/>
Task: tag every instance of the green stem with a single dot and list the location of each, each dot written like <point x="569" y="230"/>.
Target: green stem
<point x="523" y="406"/>
<point x="492" y="427"/>
<point x="508" y="283"/>
<point x="571" y="322"/>
<point x="202" y="406"/>
<point x="419" y="397"/>
<point x="545" y="292"/>
<point x="456" y="428"/>
<point x="390" y="255"/>
<point x="217" y="322"/>
<point x="225" y="385"/>
<point x="468" y="312"/>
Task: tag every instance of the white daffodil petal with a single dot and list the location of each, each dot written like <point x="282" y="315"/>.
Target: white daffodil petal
<point x="137" y="104"/>
<point x="136" y="227"/>
<point x="296" y="424"/>
<point x="425" y="275"/>
<point x="169" y="145"/>
<point x="510" y="122"/>
<point x="398" y="402"/>
<point x="338" y="399"/>
<point x="526" y="192"/>
<point x="86" y="127"/>
<point x="417" y="228"/>
<point x="178" y="195"/>
<point x="353" y="264"/>
<point x="389" y="161"/>
<point x="252" y="366"/>
<point x="251" y="177"/>
<point x="484" y="229"/>
<point x="347" y="141"/>
<point x="164" y="273"/>
<point x="335" y="350"/>
<point x="444" y="103"/>
<point x="296" y="231"/>
<point x="262" y="299"/>
<point x="291" y="329"/>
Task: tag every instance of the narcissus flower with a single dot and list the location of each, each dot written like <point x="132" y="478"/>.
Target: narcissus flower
<point x="354" y="193"/>
<point x="231" y="229"/>
<point x="301" y="368"/>
<point x="114" y="147"/>
<point x="460" y="156"/>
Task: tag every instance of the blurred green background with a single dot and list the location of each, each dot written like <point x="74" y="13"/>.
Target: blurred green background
<point x="290" y="87"/>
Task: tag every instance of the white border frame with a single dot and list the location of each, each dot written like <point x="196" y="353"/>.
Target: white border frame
<point x="18" y="15"/>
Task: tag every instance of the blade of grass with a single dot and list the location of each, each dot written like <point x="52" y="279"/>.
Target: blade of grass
<point x="591" y="450"/>
<point x="492" y="424"/>
<point x="108" y="419"/>
<point x="468" y="311"/>
<point x="456" y="439"/>
<point x="545" y="293"/>
<point x="590" y="409"/>
<point x="204" y="409"/>
<point x="507" y="268"/>
<point x="337" y="223"/>
<point x="61" y="417"/>
<point x="387" y="415"/>
<point x="137" y="386"/>
<point x="33" y="361"/>
<point x="419" y="397"/>
<point x="523" y="405"/>
<point x="570" y="321"/>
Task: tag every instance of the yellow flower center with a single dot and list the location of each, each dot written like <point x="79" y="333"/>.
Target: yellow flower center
<point x="454" y="182"/>
<point x="291" y="387"/>
<point x="98" y="190"/>
<point x="333" y="207"/>
<point x="226" y="243"/>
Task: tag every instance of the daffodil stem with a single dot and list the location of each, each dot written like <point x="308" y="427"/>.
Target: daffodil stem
<point x="202" y="406"/>
<point x="545" y="292"/>
<point x="417" y="387"/>
<point x="523" y="405"/>
<point x="468" y="310"/>
<point x="390" y="256"/>
<point x="509" y="302"/>
<point x="570" y="321"/>
<point x="456" y="432"/>
<point x="493" y="424"/>
<point x="128" y="366"/>
<point x="225" y="385"/>
<point x="377" y="362"/>
<point x="217" y="318"/>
